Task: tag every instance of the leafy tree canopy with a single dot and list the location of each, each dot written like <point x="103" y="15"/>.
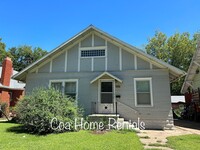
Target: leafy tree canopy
<point x="22" y="56"/>
<point x="176" y="50"/>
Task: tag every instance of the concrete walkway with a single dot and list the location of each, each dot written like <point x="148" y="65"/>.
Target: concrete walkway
<point x="157" y="139"/>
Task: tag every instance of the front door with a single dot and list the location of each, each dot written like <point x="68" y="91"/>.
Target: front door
<point x="106" y="96"/>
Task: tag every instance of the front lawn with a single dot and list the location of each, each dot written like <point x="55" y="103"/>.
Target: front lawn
<point x="10" y="139"/>
<point x="184" y="142"/>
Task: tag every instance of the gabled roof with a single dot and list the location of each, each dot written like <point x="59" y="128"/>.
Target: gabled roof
<point x="174" y="72"/>
<point x="108" y="74"/>
<point x="195" y="63"/>
<point x="14" y="84"/>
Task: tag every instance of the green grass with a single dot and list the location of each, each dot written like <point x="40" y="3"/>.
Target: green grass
<point x="13" y="139"/>
<point x="184" y="142"/>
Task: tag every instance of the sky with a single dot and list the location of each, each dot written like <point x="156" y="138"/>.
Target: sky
<point x="49" y="23"/>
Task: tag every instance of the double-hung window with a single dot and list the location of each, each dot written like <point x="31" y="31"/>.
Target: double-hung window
<point x="66" y="87"/>
<point x="70" y="89"/>
<point x="143" y="92"/>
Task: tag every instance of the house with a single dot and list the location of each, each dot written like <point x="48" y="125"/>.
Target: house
<point x="191" y="86"/>
<point x="177" y="101"/>
<point x="10" y="90"/>
<point x="106" y="76"/>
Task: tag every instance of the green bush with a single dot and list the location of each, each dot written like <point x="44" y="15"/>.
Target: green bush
<point x="36" y="111"/>
<point x="3" y="108"/>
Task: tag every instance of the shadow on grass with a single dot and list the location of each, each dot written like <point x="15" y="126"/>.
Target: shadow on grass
<point x="187" y="124"/>
<point x="8" y="121"/>
<point x="18" y="130"/>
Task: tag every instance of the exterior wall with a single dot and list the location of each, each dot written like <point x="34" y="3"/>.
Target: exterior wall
<point x="113" y="57"/>
<point x="72" y="59"/>
<point x="5" y="98"/>
<point x="16" y="95"/>
<point x="56" y="67"/>
<point x="128" y="61"/>
<point x="88" y="93"/>
<point x="196" y="81"/>
<point x="119" y="62"/>
<point x="115" y="60"/>
<point x="44" y="68"/>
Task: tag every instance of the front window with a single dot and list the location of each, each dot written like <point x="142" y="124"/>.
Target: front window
<point x="57" y="86"/>
<point x="143" y="92"/>
<point x="70" y="89"/>
<point x="66" y="87"/>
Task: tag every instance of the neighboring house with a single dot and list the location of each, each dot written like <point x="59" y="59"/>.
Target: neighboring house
<point x="191" y="85"/>
<point x="10" y="90"/>
<point x="177" y="101"/>
<point x="106" y="75"/>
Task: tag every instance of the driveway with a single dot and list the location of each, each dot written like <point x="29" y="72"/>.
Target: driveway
<point x="157" y="139"/>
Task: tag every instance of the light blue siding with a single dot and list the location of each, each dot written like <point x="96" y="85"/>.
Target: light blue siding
<point x="98" y="41"/>
<point x="72" y="62"/>
<point x="142" y="64"/>
<point x="154" y="117"/>
<point x="99" y="64"/>
<point x="85" y="64"/>
<point x="44" y="68"/>
<point x="88" y="92"/>
<point x="87" y="42"/>
<point x="127" y="61"/>
<point x="113" y="57"/>
<point x="58" y="64"/>
<point x="196" y="81"/>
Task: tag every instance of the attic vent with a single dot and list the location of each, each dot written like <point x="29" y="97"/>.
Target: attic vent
<point x="93" y="53"/>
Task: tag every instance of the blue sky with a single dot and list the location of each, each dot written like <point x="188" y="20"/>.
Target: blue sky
<point x="48" y="23"/>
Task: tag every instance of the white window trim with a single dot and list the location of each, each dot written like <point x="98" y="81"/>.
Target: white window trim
<point x="92" y="48"/>
<point x="151" y="91"/>
<point x="63" y="84"/>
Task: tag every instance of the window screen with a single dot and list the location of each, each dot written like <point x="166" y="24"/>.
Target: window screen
<point x="92" y="53"/>
<point x="70" y="89"/>
<point x="106" y="92"/>
<point x="57" y="86"/>
<point x="143" y="92"/>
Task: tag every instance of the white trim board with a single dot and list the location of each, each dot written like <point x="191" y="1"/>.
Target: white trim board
<point x="105" y="73"/>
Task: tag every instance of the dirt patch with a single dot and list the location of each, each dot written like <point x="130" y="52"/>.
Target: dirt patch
<point x="99" y="132"/>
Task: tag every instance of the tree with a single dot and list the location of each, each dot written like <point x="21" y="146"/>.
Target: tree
<point x="23" y="56"/>
<point x="2" y="50"/>
<point x="176" y="50"/>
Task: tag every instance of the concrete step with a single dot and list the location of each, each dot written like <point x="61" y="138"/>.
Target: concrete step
<point x="126" y="125"/>
<point x="120" y="120"/>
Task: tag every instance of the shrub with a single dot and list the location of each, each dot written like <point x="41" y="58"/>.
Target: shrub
<point x="35" y="111"/>
<point x="3" y="108"/>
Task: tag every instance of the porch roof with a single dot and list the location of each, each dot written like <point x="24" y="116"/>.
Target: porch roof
<point x="108" y="74"/>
